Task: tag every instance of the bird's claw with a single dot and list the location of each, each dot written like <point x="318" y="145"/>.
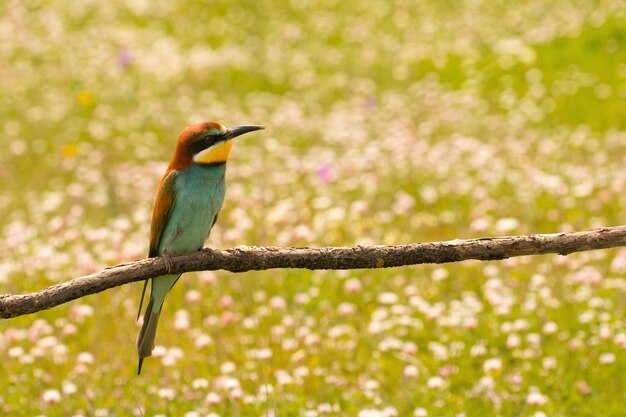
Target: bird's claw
<point x="168" y="262"/>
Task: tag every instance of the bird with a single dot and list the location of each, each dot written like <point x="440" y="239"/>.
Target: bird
<point x="188" y="200"/>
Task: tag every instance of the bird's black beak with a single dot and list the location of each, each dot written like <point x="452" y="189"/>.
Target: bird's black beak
<point x="240" y="130"/>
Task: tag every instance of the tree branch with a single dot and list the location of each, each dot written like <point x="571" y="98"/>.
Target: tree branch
<point x="244" y="258"/>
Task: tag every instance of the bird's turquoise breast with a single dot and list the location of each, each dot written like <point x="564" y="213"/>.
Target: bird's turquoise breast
<point x="199" y="194"/>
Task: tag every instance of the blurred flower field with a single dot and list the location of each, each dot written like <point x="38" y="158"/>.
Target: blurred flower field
<point x="387" y="123"/>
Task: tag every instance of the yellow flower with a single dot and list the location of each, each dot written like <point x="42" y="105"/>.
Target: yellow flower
<point x="69" y="150"/>
<point x="86" y="98"/>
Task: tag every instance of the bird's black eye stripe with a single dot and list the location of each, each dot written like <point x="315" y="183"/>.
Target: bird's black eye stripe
<point x="197" y="146"/>
<point x="207" y="139"/>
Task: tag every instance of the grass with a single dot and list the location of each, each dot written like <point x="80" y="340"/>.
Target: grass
<point x="387" y="123"/>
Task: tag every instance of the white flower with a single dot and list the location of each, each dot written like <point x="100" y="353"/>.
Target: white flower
<point x="283" y="377"/>
<point x="492" y="366"/>
<point x="227" y="383"/>
<point x="265" y="391"/>
<point x="371" y="385"/>
<point x="159" y="351"/>
<point x="212" y="398"/>
<point x="440" y="274"/>
<point x="387" y="298"/>
<point x="513" y="341"/>
<point x="478" y="350"/>
<point x="506" y="224"/>
<point x="535" y="397"/>
<point x="51" y="396"/>
<point x="346" y="309"/>
<point x="550" y="327"/>
<point x="325" y="408"/>
<point x="436" y="382"/>
<point x="420" y="412"/>
<point x="278" y="303"/>
<point x="167" y="393"/>
<point x="193" y="296"/>
<point x="85" y="358"/>
<point x="370" y="412"/>
<point x="228" y="368"/>
<point x="607" y="358"/>
<point x="202" y="340"/>
<point x="69" y="388"/>
<point x="486" y="383"/>
<point x="181" y="320"/>
<point x="390" y="412"/>
<point x="199" y="383"/>
<point x="16" y="352"/>
<point x="411" y="372"/>
<point x="265" y="353"/>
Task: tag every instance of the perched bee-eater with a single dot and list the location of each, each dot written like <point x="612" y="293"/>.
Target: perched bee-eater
<point x="187" y="202"/>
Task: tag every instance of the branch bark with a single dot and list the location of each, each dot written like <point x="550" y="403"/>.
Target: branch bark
<point x="244" y="258"/>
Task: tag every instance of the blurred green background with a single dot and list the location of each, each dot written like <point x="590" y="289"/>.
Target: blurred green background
<point x="387" y="122"/>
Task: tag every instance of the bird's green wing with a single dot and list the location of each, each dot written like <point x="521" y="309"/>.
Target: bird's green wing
<point x="163" y="205"/>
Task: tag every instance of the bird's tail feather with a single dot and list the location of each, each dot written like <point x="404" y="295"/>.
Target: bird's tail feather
<point x="145" y="339"/>
<point x="143" y="293"/>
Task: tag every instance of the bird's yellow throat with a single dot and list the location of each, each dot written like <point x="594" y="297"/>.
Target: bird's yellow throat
<point x="215" y="154"/>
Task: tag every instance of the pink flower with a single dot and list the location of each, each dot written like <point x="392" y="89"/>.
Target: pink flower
<point x="325" y="174"/>
<point x="278" y="303"/>
<point x="80" y="311"/>
<point x="583" y="387"/>
<point x="225" y="301"/>
<point x="469" y="322"/>
<point x="228" y="317"/>
<point x="618" y="265"/>
<point x="207" y="277"/>
<point x="409" y="348"/>
<point x="124" y="58"/>
<point x="353" y="285"/>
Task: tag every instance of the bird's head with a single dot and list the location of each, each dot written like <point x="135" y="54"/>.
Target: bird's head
<point x="207" y="143"/>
